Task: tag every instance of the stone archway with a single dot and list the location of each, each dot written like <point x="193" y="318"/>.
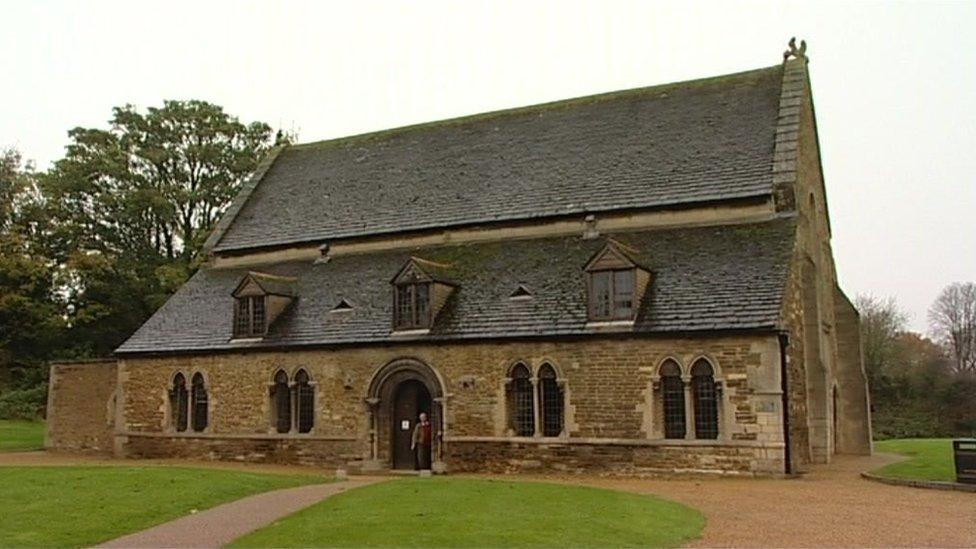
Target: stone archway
<point x="381" y="397"/>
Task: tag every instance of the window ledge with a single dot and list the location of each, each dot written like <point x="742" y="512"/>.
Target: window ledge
<point x="236" y="436"/>
<point x="409" y="333"/>
<point x="293" y="434"/>
<point x="189" y="433"/>
<point x="719" y="442"/>
<point x="253" y="339"/>
<point x="597" y="324"/>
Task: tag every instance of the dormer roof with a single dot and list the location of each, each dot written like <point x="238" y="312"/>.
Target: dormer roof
<point x="615" y="255"/>
<point x="257" y="283"/>
<point x="423" y="270"/>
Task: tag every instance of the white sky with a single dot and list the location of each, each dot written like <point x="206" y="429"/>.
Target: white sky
<point x="894" y="86"/>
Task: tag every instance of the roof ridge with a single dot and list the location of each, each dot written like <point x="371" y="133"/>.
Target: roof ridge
<point x="535" y="107"/>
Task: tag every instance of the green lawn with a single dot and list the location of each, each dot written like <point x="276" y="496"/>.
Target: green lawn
<point x="80" y="506"/>
<point x="21" y="435"/>
<point x="439" y="512"/>
<point x="931" y="459"/>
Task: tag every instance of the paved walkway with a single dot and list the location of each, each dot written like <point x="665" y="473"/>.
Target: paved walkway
<point x="223" y="524"/>
<point x="830" y="507"/>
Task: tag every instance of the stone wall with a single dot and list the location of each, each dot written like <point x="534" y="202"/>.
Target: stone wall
<point x="81" y="406"/>
<point x="852" y="398"/>
<point x="824" y="355"/>
<point x="619" y="457"/>
<point x="321" y="452"/>
<point x="611" y="408"/>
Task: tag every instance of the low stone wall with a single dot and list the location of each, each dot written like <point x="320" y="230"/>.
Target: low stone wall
<point x="258" y="449"/>
<point x="622" y="457"/>
<point x="81" y="406"/>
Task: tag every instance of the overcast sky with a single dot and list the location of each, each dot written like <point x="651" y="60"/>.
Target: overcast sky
<point x="894" y="86"/>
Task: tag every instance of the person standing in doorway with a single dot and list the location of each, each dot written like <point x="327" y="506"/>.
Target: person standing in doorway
<point x="420" y="443"/>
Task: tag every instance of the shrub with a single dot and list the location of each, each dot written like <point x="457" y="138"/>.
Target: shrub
<point x="23" y="403"/>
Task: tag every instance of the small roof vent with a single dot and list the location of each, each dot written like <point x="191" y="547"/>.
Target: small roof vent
<point x="520" y="293"/>
<point x="342" y="306"/>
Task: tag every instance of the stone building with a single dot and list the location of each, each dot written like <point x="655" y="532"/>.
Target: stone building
<point x="635" y="282"/>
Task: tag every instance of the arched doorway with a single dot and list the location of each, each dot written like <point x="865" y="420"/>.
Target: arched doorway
<point x="411" y="398"/>
<point x="398" y="392"/>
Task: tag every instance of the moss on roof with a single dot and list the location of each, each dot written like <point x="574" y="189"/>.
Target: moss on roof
<point x="698" y="84"/>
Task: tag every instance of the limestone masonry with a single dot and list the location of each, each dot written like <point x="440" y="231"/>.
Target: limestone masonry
<point x="639" y="282"/>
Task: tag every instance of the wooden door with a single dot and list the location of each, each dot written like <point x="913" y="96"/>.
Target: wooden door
<point x="411" y="399"/>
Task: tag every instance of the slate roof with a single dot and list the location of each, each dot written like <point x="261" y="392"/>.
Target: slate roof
<point x="703" y="140"/>
<point x="708" y="278"/>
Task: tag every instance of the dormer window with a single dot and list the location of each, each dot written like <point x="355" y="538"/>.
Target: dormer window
<point x="420" y="290"/>
<point x="612" y="294"/>
<point x="249" y="317"/>
<point x="412" y="306"/>
<point x="615" y="284"/>
<point x="258" y="300"/>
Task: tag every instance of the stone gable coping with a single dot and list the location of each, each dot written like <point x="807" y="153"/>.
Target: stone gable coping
<point x="794" y="90"/>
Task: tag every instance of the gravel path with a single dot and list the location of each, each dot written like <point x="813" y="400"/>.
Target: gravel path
<point x="830" y="507"/>
<point x="223" y="524"/>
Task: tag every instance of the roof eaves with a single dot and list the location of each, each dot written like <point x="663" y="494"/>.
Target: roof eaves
<point x="657" y="206"/>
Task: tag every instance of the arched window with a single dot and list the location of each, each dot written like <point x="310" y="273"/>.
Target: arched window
<point x="200" y="403"/>
<point x="552" y="402"/>
<point x="706" y="400"/>
<point x="178" y="398"/>
<point x="305" y="402"/>
<point x="281" y="402"/>
<point x="673" y="396"/>
<point x="522" y="402"/>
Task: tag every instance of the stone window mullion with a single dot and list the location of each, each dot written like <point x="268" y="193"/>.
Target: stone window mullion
<point x="293" y="405"/>
<point x="689" y="408"/>
<point x="537" y="409"/>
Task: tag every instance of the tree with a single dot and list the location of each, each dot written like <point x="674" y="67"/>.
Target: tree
<point x="30" y="317"/>
<point x="881" y="322"/>
<point x="132" y="205"/>
<point x="156" y="182"/>
<point x="952" y="319"/>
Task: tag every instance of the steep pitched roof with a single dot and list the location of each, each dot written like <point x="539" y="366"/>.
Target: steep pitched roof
<point x="703" y="140"/>
<point x="708" y="278"/>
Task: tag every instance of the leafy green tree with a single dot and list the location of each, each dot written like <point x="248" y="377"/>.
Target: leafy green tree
<point x="131" y="206"/>
<point x="30" y="316"/>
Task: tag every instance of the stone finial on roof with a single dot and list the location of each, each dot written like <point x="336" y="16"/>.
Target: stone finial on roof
<point x="798" y="53"/>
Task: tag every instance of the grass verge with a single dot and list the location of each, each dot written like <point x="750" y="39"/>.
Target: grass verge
<point x="929" y="459"/>
<point x="442" y="512"/>
<point x="81" y="506"/>
<point x="18" y="435"/>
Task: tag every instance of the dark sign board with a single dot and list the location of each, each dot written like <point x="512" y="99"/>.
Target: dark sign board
<point x="965" y="456"/>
